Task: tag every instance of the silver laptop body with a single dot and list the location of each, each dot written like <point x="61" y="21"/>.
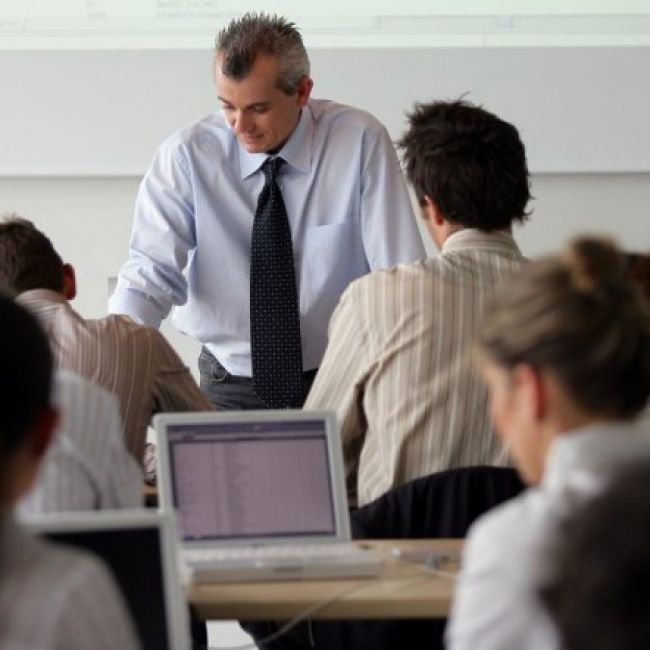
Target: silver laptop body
<point x="259" y="495"/>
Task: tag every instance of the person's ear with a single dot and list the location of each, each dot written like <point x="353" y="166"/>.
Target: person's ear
<point x="304" y="90"/>
<point x="531" y="381"/>
<point x="432" y="212"/>
<point x="69" y="282"/>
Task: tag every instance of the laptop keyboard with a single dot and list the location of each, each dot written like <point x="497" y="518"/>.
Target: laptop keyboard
<point x="294" y="551"/>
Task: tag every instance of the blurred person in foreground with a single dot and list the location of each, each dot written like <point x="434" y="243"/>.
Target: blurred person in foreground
<point x="566" y="357"/>
<point x="599" y="591"/>
<point x="50" y="597"/>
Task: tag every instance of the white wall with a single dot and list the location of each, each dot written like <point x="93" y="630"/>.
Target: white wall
<point x="103" y="113"/>
<point x="89" y="221"/>
<point x="88" y="125"/>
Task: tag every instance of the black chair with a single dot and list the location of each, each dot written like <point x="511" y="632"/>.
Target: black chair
<point x="444" y="504"/>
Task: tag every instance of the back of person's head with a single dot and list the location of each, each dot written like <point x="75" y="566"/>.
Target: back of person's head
<point x="25" y="379"/>
<point x="28" y="259"/>
<point x="240" y="43"/>
<point x="579" y="316"/>
<point x="599" y="592"/>
<point x="469" y="162"/>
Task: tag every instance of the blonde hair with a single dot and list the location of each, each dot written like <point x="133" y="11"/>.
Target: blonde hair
<point x="578" y="315"/>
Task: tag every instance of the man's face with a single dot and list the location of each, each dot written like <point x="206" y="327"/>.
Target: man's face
<point x="261" y="115"/>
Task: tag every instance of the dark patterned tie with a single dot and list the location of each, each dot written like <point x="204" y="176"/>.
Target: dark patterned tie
<point x="274" y="315"/>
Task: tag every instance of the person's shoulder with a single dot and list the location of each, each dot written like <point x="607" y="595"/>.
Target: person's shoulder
<point x="69" y="380"/>
<point x="80" y="580"/>
<point x="68" y="559"/>
<point x="125" y="335"/>
<point x="367" y="289"/>
<point x="397" y="275"/>
<point x="81" y="395"/>
<point x="61" y="564"/>
<point x="211" y="130"/>
<point x="41" y="577"/>
<point x="129" y="328"/>
<point x="512" y="528"/>
<point x="326" y="112"/>
<point x="124" y="327"/>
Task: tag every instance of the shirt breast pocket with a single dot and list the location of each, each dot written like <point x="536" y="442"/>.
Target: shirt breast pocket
<point x="332" y="257"/>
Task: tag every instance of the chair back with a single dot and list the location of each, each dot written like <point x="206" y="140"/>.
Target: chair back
<point x="444" y="504"/>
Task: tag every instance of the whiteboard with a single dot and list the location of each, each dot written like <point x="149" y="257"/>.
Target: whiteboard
<point x="103" y="113"/>
<point x="191" y="24"/>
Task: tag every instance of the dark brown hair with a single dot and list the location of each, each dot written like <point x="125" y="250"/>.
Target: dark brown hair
<point x="25" y="374"/>
<point x="469" y="162"/>
<point x="27" y="258"/>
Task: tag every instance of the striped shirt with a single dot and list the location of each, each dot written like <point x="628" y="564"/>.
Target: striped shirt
<point x="87" y="467"/>
<point x="135" y="363"/>
<point x="400" y="371"/>
<point x="54" y="598"/>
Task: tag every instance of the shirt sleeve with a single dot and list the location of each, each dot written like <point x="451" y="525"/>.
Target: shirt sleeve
<point x="496" y="606"/>
<point x="389" y="230"/>
<point x="339" y="383"/>
<point x="152" y="281"/>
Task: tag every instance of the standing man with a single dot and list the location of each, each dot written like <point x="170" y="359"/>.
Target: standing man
<point x="254" y="220"/>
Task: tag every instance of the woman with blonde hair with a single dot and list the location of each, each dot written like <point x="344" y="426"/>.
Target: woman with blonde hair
<point x="566" y="354"/>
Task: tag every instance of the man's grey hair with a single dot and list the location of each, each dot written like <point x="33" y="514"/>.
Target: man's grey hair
<point x="244" y="39"/>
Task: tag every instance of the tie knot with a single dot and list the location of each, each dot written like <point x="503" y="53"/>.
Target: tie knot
<point x="271" y="167"/>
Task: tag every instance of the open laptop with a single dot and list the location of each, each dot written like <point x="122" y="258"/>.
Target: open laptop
<point x="139" y="548"/>
<point x="259" y="495"/>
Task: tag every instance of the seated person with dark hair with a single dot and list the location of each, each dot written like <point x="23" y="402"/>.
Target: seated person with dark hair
<point x="599" y="596"/>
<point x="399" y="366"/>
<point x="49" y="597"/>
<point x="133" y="362"/>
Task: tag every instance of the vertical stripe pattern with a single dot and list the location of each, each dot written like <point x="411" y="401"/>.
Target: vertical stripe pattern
<point x="400" y="370"/>
<point x="133" y="362"/>
<point x="87" y="466"/>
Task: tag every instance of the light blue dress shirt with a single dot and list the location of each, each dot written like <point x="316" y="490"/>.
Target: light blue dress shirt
<point x="348" y="209"/>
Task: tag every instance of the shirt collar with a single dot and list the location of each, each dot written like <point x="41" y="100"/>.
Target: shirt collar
<point x="586" y="455"/>
<point x="296" y="151"/>
<point x="40" y="295"/>
<point x="472" y="239"/>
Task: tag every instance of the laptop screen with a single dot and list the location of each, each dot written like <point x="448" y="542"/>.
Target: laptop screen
<point x="251" y="479"/>
<point x="135" y="559"/>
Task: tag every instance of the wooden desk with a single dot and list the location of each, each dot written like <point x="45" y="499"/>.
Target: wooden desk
<point x="150" y="496"/>
<point x="402" y="590"/>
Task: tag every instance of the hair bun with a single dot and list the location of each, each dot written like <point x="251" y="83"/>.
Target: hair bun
<point x="594" y="263"/>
